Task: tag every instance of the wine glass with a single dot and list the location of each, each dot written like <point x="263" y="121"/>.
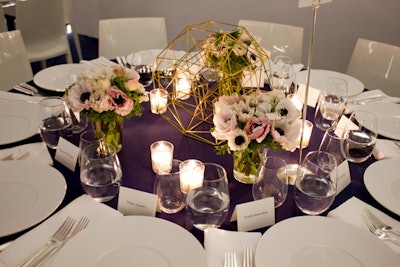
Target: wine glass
<point x="143" y="62"/>
<point x="331" y="103"/>
<point x="360" y="136"/>
<point x="283" y="75"/>
<point x="208" y="205"/>
<point x="316" y="183"/>
<point x="100" y="171"/>
<point x="332" y="142"/>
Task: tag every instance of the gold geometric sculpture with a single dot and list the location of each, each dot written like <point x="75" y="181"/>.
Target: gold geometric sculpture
<point x="204" y="61"/>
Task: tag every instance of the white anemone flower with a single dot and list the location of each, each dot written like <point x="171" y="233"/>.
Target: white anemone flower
<point x="286" y="110"/>
<point x="286" y="133"/>
<point x="244" y="111"/>
<point x="238" y="140"/>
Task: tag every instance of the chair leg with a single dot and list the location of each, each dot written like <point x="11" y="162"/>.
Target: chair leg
<point x="77" y="43"/>
<point x="43" y="64"/>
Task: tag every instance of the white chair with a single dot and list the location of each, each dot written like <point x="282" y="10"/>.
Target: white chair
<point x="3" y="21"/>
<point x="279" y="39"/>
<point x="42" y="27"/>
<point x="122" y="36"/>
<point x="377" y="65"/>
<point x="14" y="63"/>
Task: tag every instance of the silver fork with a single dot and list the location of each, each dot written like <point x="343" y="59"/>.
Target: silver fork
<point x="57" y="237"/>
<point x="379" y="224"/>
<point x="247" y="256"/>
<point x="379" y="233"/>
<point x="230" y="259"/>
<point x="83" y="222"/>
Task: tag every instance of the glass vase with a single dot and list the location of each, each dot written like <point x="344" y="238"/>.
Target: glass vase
<point x="112" y="130"/>
<point x="245" y="165"/>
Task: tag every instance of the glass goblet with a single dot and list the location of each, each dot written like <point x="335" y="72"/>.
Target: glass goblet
<point x="283" y="75"/>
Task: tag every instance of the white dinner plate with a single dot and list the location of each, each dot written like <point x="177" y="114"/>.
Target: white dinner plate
<point x="56" y="78"/>
<point x="19" y="120"/>
<point x="388" y="118"/>
<point x="382" y="181"/>
<point x="321" y="241"/>
<point x="317" y="78"/>
<point x="29" y="193"/>
<point x="133" y="241"/>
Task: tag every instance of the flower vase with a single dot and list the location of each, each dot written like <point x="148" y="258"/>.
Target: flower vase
<point x="112" y="130"/>
<point x="245" y="165"/>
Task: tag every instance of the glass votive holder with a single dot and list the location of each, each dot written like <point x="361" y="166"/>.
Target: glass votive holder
<point x="158" y="101"/>
<point x="191" y="174"/>
<point x="308" y="127"/>
<point x="183" y="86"/>
<point x="161" y="156"/>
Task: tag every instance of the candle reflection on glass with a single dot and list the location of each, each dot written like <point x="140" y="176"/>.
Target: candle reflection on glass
<point x="191" y="174"/>
<point x="161" y="156"/>
<point x="308" y="127"/>
<point x="183" y="87"/>
<point x="158" y="101"/>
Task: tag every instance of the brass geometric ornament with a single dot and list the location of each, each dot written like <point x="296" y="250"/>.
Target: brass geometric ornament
<point x="207" y="60"/>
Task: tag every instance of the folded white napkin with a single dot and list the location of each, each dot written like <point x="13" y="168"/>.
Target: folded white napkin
<point x="351" y="212"/>
<point x="217" y="242"/>
<point x="36" y="152"/>
<point x="26" y="244"/>
<point x="386" y="149"/>
<point x="99" y="62"/>
<point x="372" y="96"/>
<point x="17" y="96"/>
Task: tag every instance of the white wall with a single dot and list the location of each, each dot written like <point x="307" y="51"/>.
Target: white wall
<point x="339" y="23"/>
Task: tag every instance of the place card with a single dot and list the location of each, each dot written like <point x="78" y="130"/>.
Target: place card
<point x="344" y="178"/>
<point x="305" y="3"/>
<point x="67" y="153"/>
<point x="135" y="202"/>
<point x="255" y="214"/>
<point x="313" y="95"/>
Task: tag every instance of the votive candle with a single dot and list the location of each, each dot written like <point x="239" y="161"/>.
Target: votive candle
<point x="191" y="174"/>
<point x="183" y="87"/>
<point x="308" y="127"/>
<point x="158" y="101"/>
<point x="161" y="156"/>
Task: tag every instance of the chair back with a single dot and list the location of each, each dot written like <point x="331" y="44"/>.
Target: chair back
<point x="14" y="63"/>
<point x="3" y="21"/>
<point x="42" y="27"/>
<point x="122" y="36"/>
<point x="279" y="39"/>
<point x="377" y="65"/>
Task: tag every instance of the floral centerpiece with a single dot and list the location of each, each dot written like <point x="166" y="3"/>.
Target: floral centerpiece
<point x="249" y="122"/>
<point x="107" y="96"/>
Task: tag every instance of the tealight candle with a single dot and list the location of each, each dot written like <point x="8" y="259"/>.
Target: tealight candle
<point x="161" y="156"/>
<point x="182" y="88"/>
<point x="308" y="127"/>
<point x="158" y="101"/>
<point x="191" y="174"/>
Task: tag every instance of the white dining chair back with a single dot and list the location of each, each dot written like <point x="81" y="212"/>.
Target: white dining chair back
<point x="42" y="27"/>
<point x="279" y="39"/>
<point x="377" y="65"/>
<point x="14" y="63"/>
<point x="3" y="21"/>
<point x="122" y="36"/>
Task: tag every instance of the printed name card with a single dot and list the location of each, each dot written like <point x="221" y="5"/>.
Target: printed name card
<point x="344" y="178"/>
<point x="135" y="202"/>
<point x="313" y="95"/>
<point x="255" y="214"/>
<point x="67" y="153"/>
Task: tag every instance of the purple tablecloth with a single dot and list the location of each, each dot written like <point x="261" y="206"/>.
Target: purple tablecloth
<point x="140" y="132"/>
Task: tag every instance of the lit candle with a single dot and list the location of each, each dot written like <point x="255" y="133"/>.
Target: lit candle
<point x="158" y="101"/>
<point x="308" y="127"/>
<point x="161" y="156"/>
<point x="182" y="88"/>
<point x="191" y="175"/>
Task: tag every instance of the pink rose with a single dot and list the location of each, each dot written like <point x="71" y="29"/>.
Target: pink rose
<point x="120" y="102"/>
<point x="257" y="128"/>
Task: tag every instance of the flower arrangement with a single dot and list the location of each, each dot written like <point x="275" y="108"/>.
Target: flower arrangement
<point x="106" y="96"/>
<point x="249" y="122"/>
<point x="231" y="53"/>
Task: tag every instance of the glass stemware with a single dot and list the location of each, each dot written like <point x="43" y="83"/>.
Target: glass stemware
<point x="283" y="75"/>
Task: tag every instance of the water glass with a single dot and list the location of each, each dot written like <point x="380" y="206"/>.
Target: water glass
<point x="316" y="183"/>
<point x="55" y="120"/>
<point x="332" y="142"/>
<point x="208" y="205"/>
<point x="360" y="136"/>
<point x="90" y="137"/>
<point x="100" y="171"/>
<point x="272" y="180"/>
<point x="283" y="75"/>
<point x="171" y="198"/>
<point x="331" y="103"/>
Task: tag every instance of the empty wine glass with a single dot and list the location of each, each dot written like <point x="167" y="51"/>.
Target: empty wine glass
<point x="360" y="135"/>
<point x="331" y="103"/>
<point x="283" y="75"/>
<point x="316" y="183"/>
<point x="143" y="62"/>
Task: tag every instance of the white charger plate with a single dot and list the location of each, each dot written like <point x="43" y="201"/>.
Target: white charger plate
<point x="56" y="78"/>
<point x="317" y="78"/>
<point x="382" y="181"/>
<point x="19" y="120"/>
<point x="321" y="241"/>
<point x="133" y="240"/>
<point x="29" y="193"/>
<point x="388" y="118"/>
